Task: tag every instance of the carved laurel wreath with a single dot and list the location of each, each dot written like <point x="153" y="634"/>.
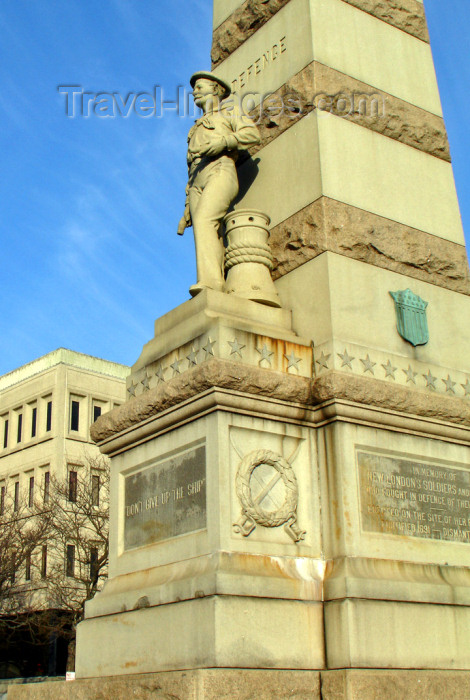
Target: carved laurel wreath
<point x="242" y="484"/>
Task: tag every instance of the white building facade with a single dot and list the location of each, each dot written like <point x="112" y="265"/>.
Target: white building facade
<point x="46" y="409"/>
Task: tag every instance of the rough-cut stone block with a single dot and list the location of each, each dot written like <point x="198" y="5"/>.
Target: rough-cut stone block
<point x="234" y="684"/>
<point x="203" y="684"/>
<point x="247" y="18"/>
<point x="318" y="85"/>
<point x="395" y="685"/>
<point x="331" y="225"/>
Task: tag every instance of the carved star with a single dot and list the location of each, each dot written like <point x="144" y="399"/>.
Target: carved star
<point x="265" y="354"/>
<point x="159" y="372"/>
<point x="346" y="360"/>
<point x="236" y="347"/>
<point x="175" y="366"/>
<point x="466" y="388"/>
<point x="145" y="382"/>
<point x="449" y="384"/>
<point x="430" y="380"/>
<point x="192" y="357"/>
<point x="368" y="365"/>
<point x="410" y="375"/>
<point x="208" y="347"/>
<point x="131" y="389"/>
<point x="323" y="360"/>
<point x="389" y="370"/>
<point x="292" y="360"/>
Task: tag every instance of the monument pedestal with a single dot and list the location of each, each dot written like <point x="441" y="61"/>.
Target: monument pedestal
<point x="215" y="555"/>
<point x="268" y="512"/>
<point x="262" y="517"/>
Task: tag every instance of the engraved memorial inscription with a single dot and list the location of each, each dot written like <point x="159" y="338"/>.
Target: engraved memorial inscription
<point x="414" y="499"/>
<point x="166" y="500"/>
<point x="259" y="64"/>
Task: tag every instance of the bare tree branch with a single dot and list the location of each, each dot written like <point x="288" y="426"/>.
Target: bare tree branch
<point x="54" y="554"/>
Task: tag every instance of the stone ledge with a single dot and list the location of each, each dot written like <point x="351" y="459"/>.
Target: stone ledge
<point x="224" y="374"/>
<point x="218" y="573"/>
<point x="389" y="579"/>
<point x="327" y="224"/>
<point x="407" y="15"/>
<point x="375" y="392"/>
<point x="208" y="375"/>
<point x="395" y="118"/>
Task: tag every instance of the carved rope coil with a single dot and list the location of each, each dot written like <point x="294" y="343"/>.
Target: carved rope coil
<point x="235" y="254"/>
<point x="245" y="248"/>
<point x="253" y="510"/>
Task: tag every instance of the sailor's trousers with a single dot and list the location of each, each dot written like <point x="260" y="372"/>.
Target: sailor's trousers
<point x="213" y="185"/>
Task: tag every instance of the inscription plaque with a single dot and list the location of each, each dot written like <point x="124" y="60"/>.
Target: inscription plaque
<point x="414" y="499"/>
<point x="166" y="500"/>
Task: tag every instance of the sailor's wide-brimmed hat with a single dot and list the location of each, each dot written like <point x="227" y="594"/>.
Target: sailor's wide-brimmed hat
<point x="207" y="75"/>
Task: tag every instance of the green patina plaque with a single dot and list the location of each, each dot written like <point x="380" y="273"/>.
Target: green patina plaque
<point x="412" y="323"/>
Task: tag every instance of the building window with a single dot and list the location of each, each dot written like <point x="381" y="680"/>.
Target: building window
<point x="5" y="433"/>
<point x="16" y="501"/>
<point x="34" y="416"/>
<point x="44" y="561"/>
<point x="73" y="477"/>
<point x="47" y="486"/>
<point x="96" y="413"/>
<point x="93" y="563"/>
<point x="49" y="416"/>
<point x="28" y="566"/>
<point x="70" y="561"/>
<point x="31" y="492"/>
<point x="75" y="415"/>
<point x="19" y="428"/>
<point x="95" y="490"/>
<point x="3" y="493"/>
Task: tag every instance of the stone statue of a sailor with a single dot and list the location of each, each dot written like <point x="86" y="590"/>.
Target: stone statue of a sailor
<point x="213" y="145"/>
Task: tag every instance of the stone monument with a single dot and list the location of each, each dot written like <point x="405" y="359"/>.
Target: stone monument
<point x="290" y="508"/>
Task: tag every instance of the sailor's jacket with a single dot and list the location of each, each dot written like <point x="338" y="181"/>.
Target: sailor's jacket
<point x="239" y="132"/>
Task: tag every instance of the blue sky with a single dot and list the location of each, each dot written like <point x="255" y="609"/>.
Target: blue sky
<point x="89" y="207"/>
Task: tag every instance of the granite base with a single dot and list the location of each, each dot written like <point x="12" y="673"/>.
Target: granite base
<point x="243" y="684"/>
